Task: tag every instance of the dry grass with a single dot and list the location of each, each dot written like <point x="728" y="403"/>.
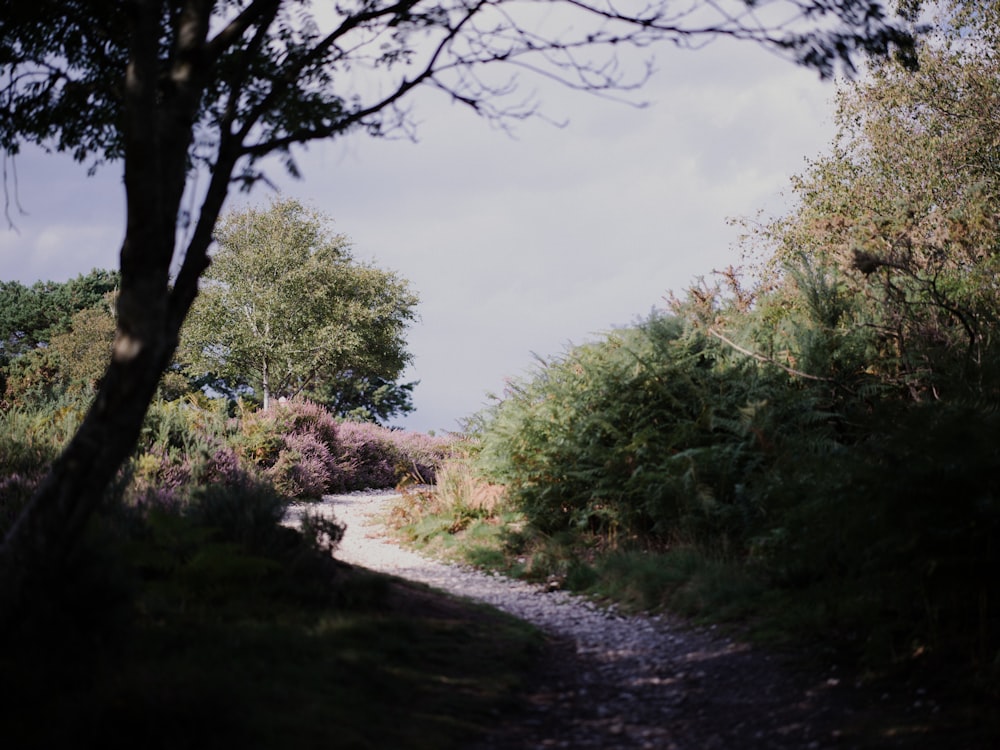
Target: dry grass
<point x="459" y="493"/>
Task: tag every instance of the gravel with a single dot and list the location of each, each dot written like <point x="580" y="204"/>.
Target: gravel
<point x="613" y="681"/>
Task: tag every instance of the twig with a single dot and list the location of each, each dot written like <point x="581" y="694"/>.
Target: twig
<point x="768" y="360"/>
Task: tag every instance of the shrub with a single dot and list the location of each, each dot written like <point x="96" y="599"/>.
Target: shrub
<point x="377" y="457"/>
<point x="368" y="458"/>
<point x="651" y="431"/>
<point x="248" y="512"/>
<point x="463" y="492"/>
<point x="296" y="443"/>
<point x="302" y="469"/>
<point x="422" y="454"/>
<point x="908" y="522"/>
<point x="321" y="533"/>
<point x="29" y="441"/>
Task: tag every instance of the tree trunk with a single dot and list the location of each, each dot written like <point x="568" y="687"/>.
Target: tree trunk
<point x="158" y="125"/>
<point x="48" y="529"/>
<point x="265" y="386"/>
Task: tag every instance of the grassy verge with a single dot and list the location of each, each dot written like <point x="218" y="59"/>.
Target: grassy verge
<point x="464" y="520"/>
<point x="379" y="664"/>
<point x="823" y="624"/>
<point x="830" y="616"/>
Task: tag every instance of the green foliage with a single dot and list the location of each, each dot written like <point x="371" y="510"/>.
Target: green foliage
<point x="34" y="379"/>
<point x="29" y="441"/>
<point x="289" y="85"/>
<point x="366" y="398"/>
<point x="248" y="513"/>
<point x="188" y="607"/>
<point x="902" y="213"/>
<point x="66" y="355"/>
<point x="652" y="431"/>
<point x="684" y="579"/>
<point x="816" y="451"/>
<point x="461" y="516"/>
<point x="212" y="87"/>
<point x="209" y="622"/>
<point x="30" y="315"/>
<point x="910" y="520"/>
<point x="287" y="311"/>
<point x="72" y="360"/>
<point x="296" y="445"/>
<point x="460" y="491"/>
<point x="767" y="473"/>
<point x="85" y="347"/>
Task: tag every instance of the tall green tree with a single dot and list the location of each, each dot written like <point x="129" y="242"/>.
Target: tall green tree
<point x="285" y="308"/>
<point x="364" y="397"/>
<point x="174" y="88"/>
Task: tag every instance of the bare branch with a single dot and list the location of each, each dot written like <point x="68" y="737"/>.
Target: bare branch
<point x="257" y="13"/>
<point x="767" y="360"/>
<point x="10" y="180"/>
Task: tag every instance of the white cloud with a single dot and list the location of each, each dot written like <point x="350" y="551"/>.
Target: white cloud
<point x="58" y="252"/>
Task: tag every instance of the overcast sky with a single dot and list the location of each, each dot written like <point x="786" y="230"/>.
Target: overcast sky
<point x="516" y="245"/>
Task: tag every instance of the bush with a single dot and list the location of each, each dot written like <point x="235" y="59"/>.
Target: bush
<point x="909" y="521"/>
<point x="377" y="457"/>
<point x="368" y="458"/>
<point x="297" y="444"/>
<point x="29" y="441"/>
<point x="303" y="468"/>
<point x="248" y="513"/>
<point x="652" y="431"/>
<point x="421" y="454"/>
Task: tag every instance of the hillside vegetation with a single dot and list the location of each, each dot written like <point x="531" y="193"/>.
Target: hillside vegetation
<point x="189" y="616"/>
<point x="806" y="444"/>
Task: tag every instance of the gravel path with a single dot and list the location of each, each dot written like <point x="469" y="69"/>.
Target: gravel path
<point x="612" y="682"/>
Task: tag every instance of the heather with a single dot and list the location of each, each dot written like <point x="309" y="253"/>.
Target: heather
<point x="189" y="615"/>
<point x="195" y="446"/>
<point x="373" y="456"/>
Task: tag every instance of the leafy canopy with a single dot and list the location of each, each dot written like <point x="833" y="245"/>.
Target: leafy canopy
<point x="29" y="315"/>
<point x="901" y="216"/>
<point x="286" y="310"/>
<point x="276" y="72"/>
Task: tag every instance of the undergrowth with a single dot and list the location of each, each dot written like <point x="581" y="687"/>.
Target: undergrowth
<point x="661" y="470"/>
<point x="190" y="616"/>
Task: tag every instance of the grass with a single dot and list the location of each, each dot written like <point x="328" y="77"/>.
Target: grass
<point x="819" y="623"/>
<point x="382" y="664"/>
<point x="683" y="579"/>
<point x="706" y="586"/>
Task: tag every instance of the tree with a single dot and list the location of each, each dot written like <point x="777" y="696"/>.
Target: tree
<point x="285" y="308"/>
<point x="172" y="88"/>
<point x="72" y="362"/>
<point x="903" y="212"/>
<point x="40" y="315"/>
<point x="29" y="315"/>
<point x="364" y="397"/>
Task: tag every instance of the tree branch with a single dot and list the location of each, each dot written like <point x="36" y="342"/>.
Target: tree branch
<point x="767" y="360"/>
